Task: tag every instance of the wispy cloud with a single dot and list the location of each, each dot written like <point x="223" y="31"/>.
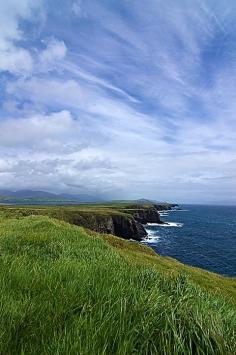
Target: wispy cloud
<point x="122" y="98"/>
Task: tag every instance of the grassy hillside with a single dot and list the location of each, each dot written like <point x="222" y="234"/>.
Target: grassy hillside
<point x="83" y="214"/>
<point x="35" y="200"/>
<point x="67" y="290"/>
<point x="66" y="213"/>
<point x="92" y="217"/>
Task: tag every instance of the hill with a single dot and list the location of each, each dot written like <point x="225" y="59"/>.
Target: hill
<point x="31" y="196"/>
<point x="69" y="290"/>
<point x="121" y="219"/>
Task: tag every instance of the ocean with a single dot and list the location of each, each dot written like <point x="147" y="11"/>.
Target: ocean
<point x="201" y="236"/>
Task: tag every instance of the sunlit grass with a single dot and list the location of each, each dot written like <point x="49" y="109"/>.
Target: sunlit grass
<point x="66" y="291"/>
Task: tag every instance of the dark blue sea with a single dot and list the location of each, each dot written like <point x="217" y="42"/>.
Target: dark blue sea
<point x="202" y="236"/>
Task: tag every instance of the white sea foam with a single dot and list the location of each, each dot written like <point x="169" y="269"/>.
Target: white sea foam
<point x="153" y="224"/>
<point x="166" y="224"/>
<point x="151" y="237"/>
<point x="172" y="224"/>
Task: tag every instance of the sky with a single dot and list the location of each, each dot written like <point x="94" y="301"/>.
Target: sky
<point x="119" y="99"/>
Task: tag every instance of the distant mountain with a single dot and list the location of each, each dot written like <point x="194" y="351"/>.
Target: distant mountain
<point x="32" y="194"/>
<point x="141" y="201"/>
<point x="27" y="194"/>
<point x="144" y="200"/>
<point x="80" y="197"/>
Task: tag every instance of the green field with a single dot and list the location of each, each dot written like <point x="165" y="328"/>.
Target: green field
<point x="68" y="290"/>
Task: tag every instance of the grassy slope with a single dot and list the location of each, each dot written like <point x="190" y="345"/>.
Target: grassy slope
<point x="89" y="216"/>
<point x="65" y="290"/>
<point x="66" y="213"/>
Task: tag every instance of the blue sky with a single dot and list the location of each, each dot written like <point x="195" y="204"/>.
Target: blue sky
<point x="122" y="99"/>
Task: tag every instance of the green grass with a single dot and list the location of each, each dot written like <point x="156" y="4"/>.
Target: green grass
<point x="93" y="217"/>
<point x="65" y="290"/>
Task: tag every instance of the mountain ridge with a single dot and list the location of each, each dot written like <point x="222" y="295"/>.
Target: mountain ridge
<point x="40" y="194"/>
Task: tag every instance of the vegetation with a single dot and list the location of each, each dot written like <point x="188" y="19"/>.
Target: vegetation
<point x="35" y="200"/>
<point x="86" y="215"/>
<point x="83" y="214"/>
<point x="93" y="217"/>
<point x="68" y="290"/>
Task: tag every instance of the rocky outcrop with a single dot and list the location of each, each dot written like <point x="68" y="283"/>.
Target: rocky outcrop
<point x="128" y="228"/>
<point x="146" y="215"/>
<point x="120" y="225"/>
<point x="131" y="226"/>
<point x="165" y="207"/>
<point x="127" y="222"/>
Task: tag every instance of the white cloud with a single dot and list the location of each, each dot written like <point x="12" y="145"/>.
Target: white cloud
<point x="11" y="12"/>
<point x="54" y="52"/>
<point x="16" y="61"/>
<point x="38" y="131"/>
<point x="123" y="109"/>
<point x="13" y="58"/>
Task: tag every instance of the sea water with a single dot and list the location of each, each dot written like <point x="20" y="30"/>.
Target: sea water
<point x="201" y="236"/>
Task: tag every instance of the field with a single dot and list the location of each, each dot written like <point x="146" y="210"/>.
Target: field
<point x="68" y="290"/>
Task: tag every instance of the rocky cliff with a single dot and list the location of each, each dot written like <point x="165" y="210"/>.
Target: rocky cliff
<point x="127" y="223"/>
<point x="123" y="221"/>
<point x="128" y="228"/>
<point x="165" y="207"/>
<point x="146" y="215"/>
<point x="121" y="225"/>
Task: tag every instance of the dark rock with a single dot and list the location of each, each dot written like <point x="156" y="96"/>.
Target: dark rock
<point x="120" y="225"/>
<point x="147" y="215"/>
<point x="165" y="207"/>
<point x="127" y="224"/>
<point x="128" y="228"/>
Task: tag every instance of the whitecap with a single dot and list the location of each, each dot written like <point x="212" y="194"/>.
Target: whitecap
<point x="166" y="224"/>
<point x="151" y="237"/>
<point x="153" y="224"/>
<point x="172" y="224"/>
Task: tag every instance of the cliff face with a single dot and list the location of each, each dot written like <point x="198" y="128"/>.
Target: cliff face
<point x="147" y="215"/>
<point x="131" y="226"/>
<point x="121" y="225"/>
<point x="128" y="228"/>
<point x="123" y="221"/>
<point x="127" y="225"/>
<point x="165" y="207"/>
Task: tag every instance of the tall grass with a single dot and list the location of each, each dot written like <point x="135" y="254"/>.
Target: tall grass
<point x="63" y="291"/>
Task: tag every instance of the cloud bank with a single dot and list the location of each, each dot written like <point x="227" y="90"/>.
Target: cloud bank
<point x="121" y="99"/>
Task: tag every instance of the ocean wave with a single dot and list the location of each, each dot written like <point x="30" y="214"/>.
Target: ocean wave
<point x="151" y="237"/>
<point x="173" y="224"/>
<point x="166" y="224"/>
